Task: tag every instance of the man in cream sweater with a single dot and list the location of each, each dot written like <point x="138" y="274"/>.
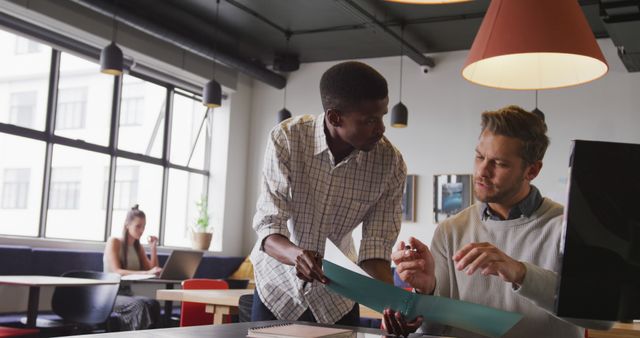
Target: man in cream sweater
<point x="502" y="251"/>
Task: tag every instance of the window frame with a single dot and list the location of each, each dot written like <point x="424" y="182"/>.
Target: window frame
<point x="59" y="44"/>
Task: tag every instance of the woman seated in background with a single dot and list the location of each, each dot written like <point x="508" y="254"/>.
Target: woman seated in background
<point x="126" y="256"/>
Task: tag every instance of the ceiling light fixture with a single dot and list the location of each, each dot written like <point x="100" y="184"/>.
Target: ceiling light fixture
<point x="534" y="44"/>
<point x="111" y="60"/>
<point x="212" y="91"/>
<point x="399" y="112"/>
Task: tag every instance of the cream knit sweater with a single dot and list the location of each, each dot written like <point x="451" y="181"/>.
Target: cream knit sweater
<point x="533" y="240"/>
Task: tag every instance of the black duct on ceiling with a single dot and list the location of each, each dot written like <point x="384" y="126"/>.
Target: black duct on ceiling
<point x="247" y="67"/>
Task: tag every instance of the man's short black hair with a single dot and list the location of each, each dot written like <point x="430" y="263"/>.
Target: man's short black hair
<point x="349" y="83"/>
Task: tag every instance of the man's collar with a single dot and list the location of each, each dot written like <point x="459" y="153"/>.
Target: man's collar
<point x="526" y="207"/>
<point x="320" y="139"/>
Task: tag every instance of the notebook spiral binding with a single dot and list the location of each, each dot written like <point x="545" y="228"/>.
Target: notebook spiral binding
<point x="269" y="326"/>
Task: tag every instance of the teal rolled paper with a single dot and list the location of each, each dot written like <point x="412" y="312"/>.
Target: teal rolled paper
<point x="378" y="295"/>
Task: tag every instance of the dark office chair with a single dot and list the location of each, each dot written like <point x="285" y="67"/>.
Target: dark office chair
<point x="245" y="303"/>
<point x="80" y="309"/>
<point x="85" y="308"/>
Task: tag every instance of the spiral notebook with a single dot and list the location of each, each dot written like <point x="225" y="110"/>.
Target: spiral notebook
<point x="298" y="331"/>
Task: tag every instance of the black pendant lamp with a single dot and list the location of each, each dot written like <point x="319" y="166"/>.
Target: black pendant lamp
<point x="399" y="112"/>
<point x="212" y="91"/>
<point x="537" y="111"/>
<point x="111" y="61"/>
<point x="212" y="94"/>
<point x="284" y="113"/>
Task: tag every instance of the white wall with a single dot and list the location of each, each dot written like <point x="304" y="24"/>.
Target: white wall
<point x="444" y="119"/>
<point x="228" y="169"/>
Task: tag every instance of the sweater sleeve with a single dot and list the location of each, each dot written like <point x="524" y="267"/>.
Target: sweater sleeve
<point x="538" y="286"/>
<point x="441" y="257"/>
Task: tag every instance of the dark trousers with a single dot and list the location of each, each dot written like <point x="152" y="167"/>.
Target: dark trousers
<point x="260" y="312"/>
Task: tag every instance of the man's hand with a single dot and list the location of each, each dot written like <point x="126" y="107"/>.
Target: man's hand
<point x="309" y="267"/>
<point x="395" y="324"/>
<point x="379" y="269"/>
<point x="489" y="260"/>
<point x="415" y="266"/>
<point x="308" y="263"/>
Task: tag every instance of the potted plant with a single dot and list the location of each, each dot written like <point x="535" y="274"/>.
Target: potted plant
<point x="201" y="231"/>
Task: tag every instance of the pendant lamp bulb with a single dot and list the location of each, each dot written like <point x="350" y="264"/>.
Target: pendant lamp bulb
<point x="399" y="112"/>
<point x="111" y="59"/>
<point x="212" y="91"/>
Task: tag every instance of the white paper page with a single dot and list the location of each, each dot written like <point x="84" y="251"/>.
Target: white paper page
<point x="137" y="277"/>
<point x="335" y="256"/>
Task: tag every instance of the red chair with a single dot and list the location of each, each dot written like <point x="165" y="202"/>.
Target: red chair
<point x="15" y="332"/>
<point x="194" y="313"/>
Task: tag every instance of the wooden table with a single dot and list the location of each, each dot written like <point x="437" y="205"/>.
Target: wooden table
<point x="35" y="282"/>
<point x="619" y="330"/>
<point x="222" y="302"/>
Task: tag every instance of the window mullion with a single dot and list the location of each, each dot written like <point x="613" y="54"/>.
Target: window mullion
<point x="52" y="99"/>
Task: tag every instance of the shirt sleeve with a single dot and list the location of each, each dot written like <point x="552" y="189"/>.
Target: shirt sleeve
<point x="272" y="209"/>
<point x="381" y="224"/>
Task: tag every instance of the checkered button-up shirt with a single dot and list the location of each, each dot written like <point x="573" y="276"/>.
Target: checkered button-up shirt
<point x="308" y="198"/>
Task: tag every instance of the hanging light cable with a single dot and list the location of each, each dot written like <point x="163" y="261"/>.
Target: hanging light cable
<point x="284" y="113"/>
<point x="537" y="111"/>
<point x="212" y="91"/>
<point x="399" y="112"/>
<point x="111" y="60"/>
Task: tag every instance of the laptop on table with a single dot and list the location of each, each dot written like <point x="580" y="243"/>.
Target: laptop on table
<point x="181" y="265"/>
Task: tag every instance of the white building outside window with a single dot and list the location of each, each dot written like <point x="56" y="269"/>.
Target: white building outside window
<point x="22" y="108"/>
<point x="26" y="46"/>
<point x="15" y="188"/>
<point x="65" y="188"/>
<point x="72" y="106"/>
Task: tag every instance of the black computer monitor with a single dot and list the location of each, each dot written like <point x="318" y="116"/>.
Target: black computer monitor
<point x="599" y="277"/>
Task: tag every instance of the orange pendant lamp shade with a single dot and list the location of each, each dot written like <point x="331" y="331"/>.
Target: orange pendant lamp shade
<point x="534" y="44"/>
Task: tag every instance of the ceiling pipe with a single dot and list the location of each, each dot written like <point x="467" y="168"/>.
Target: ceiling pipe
<point x="247" y="67"/>
<point x="412" y="52"/>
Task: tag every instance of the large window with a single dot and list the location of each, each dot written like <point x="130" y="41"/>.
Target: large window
<point x="147" y="194"/>
<point x="188" y="115"/>
<point x="21" y="171"/>
<point x="185" y="190"/>
<point x="23" y="81"/>
<point x="79" y="198"/>
<point x="142" y="113"/>
<point x="84" y="101"/>
<point x="75" y="202"/>
<point x="126" y="187"/>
